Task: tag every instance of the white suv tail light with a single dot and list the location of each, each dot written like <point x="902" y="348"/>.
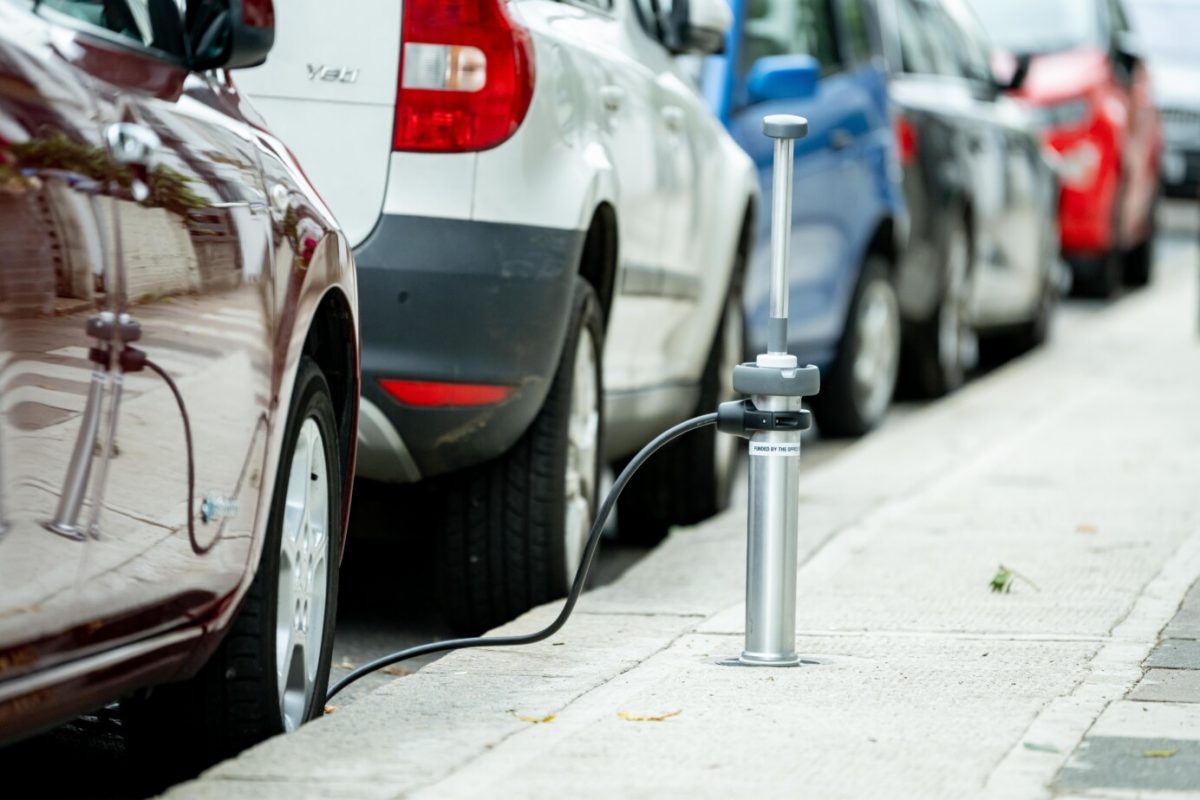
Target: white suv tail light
<point x="466" y="76"/>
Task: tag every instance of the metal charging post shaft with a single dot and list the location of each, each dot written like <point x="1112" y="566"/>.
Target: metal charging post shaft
<point x="774" y="420"/>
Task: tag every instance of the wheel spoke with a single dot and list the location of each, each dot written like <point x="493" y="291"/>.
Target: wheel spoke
<point x="303" y="576"/>
<point x="582" y="435"/>
<point x="876" y="359"/>
<point x="297" y="498"/>
<point x="285" y="648"/>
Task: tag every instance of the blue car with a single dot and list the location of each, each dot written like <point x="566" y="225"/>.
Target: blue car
<point x="820" y="59"/>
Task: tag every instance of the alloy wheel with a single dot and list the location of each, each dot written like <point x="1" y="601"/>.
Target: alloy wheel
<point x="583" y="442"/>
<point x="878" y="356"/>
<point x="958" y="346"/>
<point x="303" y="576"/>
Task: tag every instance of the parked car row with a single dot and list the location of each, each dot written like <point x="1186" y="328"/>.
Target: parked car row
<point x="923" y="209"/>
<point x="504" y="245"/>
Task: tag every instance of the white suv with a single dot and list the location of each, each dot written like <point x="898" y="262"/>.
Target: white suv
<point x="550" y="229"/>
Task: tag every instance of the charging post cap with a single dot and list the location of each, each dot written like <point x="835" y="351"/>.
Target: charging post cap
<point x="785" y="126"/>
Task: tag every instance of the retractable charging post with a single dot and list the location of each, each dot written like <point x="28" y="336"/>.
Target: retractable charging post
<point x="773" y="419"/>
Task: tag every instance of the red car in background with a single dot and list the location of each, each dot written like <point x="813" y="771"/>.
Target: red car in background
<point x="1087" y="84"/>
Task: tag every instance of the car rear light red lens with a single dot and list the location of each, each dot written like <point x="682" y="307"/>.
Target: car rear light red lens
<point x="434" y="394"/>
<point x="906" y="141"/>
<point x="258" y="13"/>
<point x="466" y="76"/>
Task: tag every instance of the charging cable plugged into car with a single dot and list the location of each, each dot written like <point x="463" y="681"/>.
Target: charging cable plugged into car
<point x="772" y="419"/>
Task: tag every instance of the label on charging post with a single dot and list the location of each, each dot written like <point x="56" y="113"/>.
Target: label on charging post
<point x="777" y="449"/>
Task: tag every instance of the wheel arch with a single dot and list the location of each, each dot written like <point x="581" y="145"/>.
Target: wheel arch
<point x="883" y="243"/>
<point x="331" y="342"/>
<point x="598" y="261"/>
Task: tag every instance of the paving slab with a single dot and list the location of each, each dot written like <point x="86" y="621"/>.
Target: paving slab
<point x="878" y="716"/>
<point x="1186" y="624"/>
<point x="1168" y="685"/>
<point x="1176" y="654"/>
<point x="1114" y="762"/>
<point x="1129" y="718"/>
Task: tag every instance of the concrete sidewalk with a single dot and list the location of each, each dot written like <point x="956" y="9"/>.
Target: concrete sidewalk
<point x="1078" y="467"/>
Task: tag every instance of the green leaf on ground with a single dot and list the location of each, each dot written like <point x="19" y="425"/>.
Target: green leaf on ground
<point x="1002" y="582"/>
<point x="1041" y="748"/>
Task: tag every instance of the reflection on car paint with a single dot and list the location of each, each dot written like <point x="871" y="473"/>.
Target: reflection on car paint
<point x="184" y="254"/>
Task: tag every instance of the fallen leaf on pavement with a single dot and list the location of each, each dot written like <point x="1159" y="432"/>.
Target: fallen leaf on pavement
<point x="630" y="717"/>
<point x="1159" y="753"/>
<point x="1003" y="580"/>
<point x="1085" y="527"/>
<point x="1041" y="748"/>
<point x="330" y="709"/>
<point x="534" y="720"/>
<point x="396" y="670"/>
<point x="345" y="663"/>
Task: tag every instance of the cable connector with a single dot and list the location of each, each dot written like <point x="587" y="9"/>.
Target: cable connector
<point x="101" y="355"/>
<point x="132" y="360"/>
<point x="741" y="418"/>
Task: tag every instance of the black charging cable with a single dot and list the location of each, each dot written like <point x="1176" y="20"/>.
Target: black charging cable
<point x="585" y="565"/>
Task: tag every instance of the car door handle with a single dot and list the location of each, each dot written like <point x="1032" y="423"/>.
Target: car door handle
<point x="612" y="96"/>
<point x="674" y="117"/>
<point x="840" y="139"/>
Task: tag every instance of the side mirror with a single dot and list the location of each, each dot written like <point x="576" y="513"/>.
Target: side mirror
<point x="1127" y="52"/>
<point x="1009" y="70"/>
<point x="696" y="26"/>
<point x="783" y="78"/>
<point x="229" y="34"/>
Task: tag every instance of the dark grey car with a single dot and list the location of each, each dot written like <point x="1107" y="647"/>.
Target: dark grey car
<point x="981" y="195"/>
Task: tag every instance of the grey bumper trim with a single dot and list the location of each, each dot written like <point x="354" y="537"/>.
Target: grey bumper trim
<point x="382" y="454"/>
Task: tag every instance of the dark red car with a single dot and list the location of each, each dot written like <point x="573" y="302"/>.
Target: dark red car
<point x="1089" y="87"/>
<point x="178" y="381"/>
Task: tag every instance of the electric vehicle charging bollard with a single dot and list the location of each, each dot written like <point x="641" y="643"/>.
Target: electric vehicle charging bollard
<point x="774" y="421"/>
